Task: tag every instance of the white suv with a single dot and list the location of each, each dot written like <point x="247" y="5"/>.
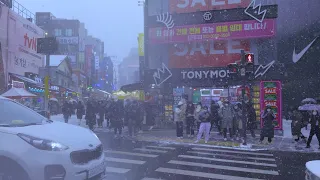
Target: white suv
<point x="35" y="148"/>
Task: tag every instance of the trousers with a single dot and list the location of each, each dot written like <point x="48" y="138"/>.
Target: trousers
<point x="204" y="128"/>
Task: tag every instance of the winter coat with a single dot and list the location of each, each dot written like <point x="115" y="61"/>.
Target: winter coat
<point x="177" y="115"/>
<point x="66" y="110"/>
<point x="80" y="111"/>
<point x="190" y="110"/>
<point x="204" y="116"/>
<point x="196" y="114"/>
<point x="268" y="127"/>
<point x="183" y="109"/>
<point x="117" y="111"/>
<point x="214" y="110"/>
<point x="296" y="123"/>
<point x="90" y="112"/>
<point x="227" y="115"/>
<point x="237" y="123"/>
<point x="315" y="121"/>
<point x="252" y="118"/>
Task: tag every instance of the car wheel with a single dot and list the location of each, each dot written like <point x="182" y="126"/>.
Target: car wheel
<point x="10" y="170"/>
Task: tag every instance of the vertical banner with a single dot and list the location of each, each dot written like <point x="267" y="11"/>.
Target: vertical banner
<point x="46" y="86"/>
<point x="141" y="44"/>
<point x="177" y="96"/>
<point x="270" y="94"/>
<point x="96" y="62"/>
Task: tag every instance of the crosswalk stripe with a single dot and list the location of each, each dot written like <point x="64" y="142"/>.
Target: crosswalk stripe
<point x="116" y="170"/>
<point x="161" y="147"/>
<point x="146" y="178"/>
<point x="233" y="156"/>
<point x="202" y="174"/>
<point x="227" y="160"/>
<point x="228" y="151"/>
<point x="129" y="161"/>
<point x="150" y="150"/>
<point x="230" y="168"/>
<point x="132" y="154"/>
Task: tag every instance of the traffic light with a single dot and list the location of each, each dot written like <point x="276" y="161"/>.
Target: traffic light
<point x="233" y="68"/>
<point x="249" y="58"/>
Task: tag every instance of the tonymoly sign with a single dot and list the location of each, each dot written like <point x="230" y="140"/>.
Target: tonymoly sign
<point x="205" y="74"/>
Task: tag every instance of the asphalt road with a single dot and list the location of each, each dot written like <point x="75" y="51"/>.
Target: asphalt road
<point x="130" y="160"/>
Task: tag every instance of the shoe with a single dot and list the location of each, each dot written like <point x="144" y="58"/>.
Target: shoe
<point x="237" y="138"/>
<point x="192" y="136"/>
<point x="225" y="139"/>
<point x="115" y="136"/>
<point x="196" y="141"/>
<point x="140" y="132"/>
<point x="189" y="136"/>
<point x="206" y="142"/>
<point x="308" y="146"/>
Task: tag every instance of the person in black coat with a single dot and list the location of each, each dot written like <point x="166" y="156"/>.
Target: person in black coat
<point x="215" y="118"/>
<point x="252" y="119"/>
<point x="268" y="128"/>
<point x="117" y="112"/>
<point x="66" y="111"/>
<point x="190" y="119"/>
<point x="315" y="127"/>
<point x="80" y="111"/>
<point x="101" y="111"/>
<point x="91" y="114"/>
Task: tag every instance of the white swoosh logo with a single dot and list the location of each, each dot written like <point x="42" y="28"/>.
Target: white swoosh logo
<point x="297" y="57"/>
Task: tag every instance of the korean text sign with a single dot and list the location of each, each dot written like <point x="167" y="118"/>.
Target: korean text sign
<point x="215" y="31"/>
<point x="271" y="95"/>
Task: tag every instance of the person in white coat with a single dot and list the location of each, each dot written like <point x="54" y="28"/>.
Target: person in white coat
<point x="178" y="119"/>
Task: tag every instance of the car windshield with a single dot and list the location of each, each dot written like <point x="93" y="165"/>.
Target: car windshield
<point x="25" y="116"/>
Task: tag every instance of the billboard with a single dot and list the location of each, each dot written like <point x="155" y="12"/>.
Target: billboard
<point x="187" y="6"/>
<point x="271" y="95"/>
<point x="141" y="44"/>
<point x="215" y="31"/>
<point x="22" y="45"/>
<point x="88" y="58"/>
<point x="206" y="54"/>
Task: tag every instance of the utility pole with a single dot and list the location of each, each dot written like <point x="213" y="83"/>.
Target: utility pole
<point x="244" y="78"/>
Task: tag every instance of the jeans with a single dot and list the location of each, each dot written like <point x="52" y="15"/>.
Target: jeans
<point x="190" y="125"/>
<point x="179" y="126"/>
<point x="204" y="128"/>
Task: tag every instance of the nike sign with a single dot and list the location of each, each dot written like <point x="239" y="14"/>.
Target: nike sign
<point x="297" y="57"/>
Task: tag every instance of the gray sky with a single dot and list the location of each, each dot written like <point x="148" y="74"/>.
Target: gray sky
<point x="116" y="22"/>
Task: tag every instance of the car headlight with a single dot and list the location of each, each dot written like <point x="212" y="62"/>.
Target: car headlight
<point x="43" y="144"/>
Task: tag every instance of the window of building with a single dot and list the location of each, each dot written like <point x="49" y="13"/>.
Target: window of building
<point x="57" y="32"/>
<point x="69" y="32"/>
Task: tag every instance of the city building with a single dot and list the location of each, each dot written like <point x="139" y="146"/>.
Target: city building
<point x="189" y="54"/>
<point x="128" y="68"/>
<point x="18" y="47"/>
<point x="106" y="72"/>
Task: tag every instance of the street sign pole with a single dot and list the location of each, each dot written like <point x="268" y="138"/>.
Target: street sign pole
<point x="244" y="119"/>
<point x="46" y="84"/>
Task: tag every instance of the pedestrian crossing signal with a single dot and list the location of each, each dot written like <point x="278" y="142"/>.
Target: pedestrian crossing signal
<point x="249" y="58"/>
<point x="233" y="68"/>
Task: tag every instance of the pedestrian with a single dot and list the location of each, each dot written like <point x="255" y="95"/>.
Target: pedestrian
<point x="214" y="111"/>
<point x="178" y="118"/>
<point x="91" y="114"/>
<point x="80" y="111"/>
<point x="205" y="125"/>
<point x="237" y="121"/>
<point x="66" y="111"/>
<point x="268" y="118"/>
<point x="296" y="124"/>
<point x="133" y="118"/>
<point x="101" y="111"/>
<point x="251" y="119"/>
<point x="227" y="114"/>
<point x="117" y="110"/>
<point x="315" y="128"/>
<point x="190" y="119"/>
<point x="196" y="116"/>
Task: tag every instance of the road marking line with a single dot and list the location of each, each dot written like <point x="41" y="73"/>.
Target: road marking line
<point x="132" y="154"/>
<point x="226" y="160"/>
<point x="151" y="179"/>
<point x="233" y="156"/>
<point x="116" y="170"/>
<point x="150" y="150"/>
<point x="230" y="168"/>
<point x="161" y="147"/>
<point x="202" y="174"/>
<point x="129" y="161"/>
<point x="228" y="151"/>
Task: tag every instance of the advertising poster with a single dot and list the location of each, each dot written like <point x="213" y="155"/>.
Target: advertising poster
<point x="177" y="96"/>
<point x="270" y="94"/>
<point x="176" y="6"/>
<point x="207" y="54"/>
<point x="22" y="45"/>
<point x="216" y="31"/>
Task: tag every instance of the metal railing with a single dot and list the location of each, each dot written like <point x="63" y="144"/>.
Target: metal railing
<point x="22" y="11"/>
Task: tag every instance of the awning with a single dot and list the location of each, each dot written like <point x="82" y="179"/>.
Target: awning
<point x="25" y="79"/>
<point x="132" y="87"/>
<point x="17" y="93"/>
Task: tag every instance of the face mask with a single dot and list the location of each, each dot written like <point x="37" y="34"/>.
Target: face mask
<point x="268" y="110"/>
<point x="236" y="107"/>
<point x="314" y="113"/>
<point x="226" y="104"/>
